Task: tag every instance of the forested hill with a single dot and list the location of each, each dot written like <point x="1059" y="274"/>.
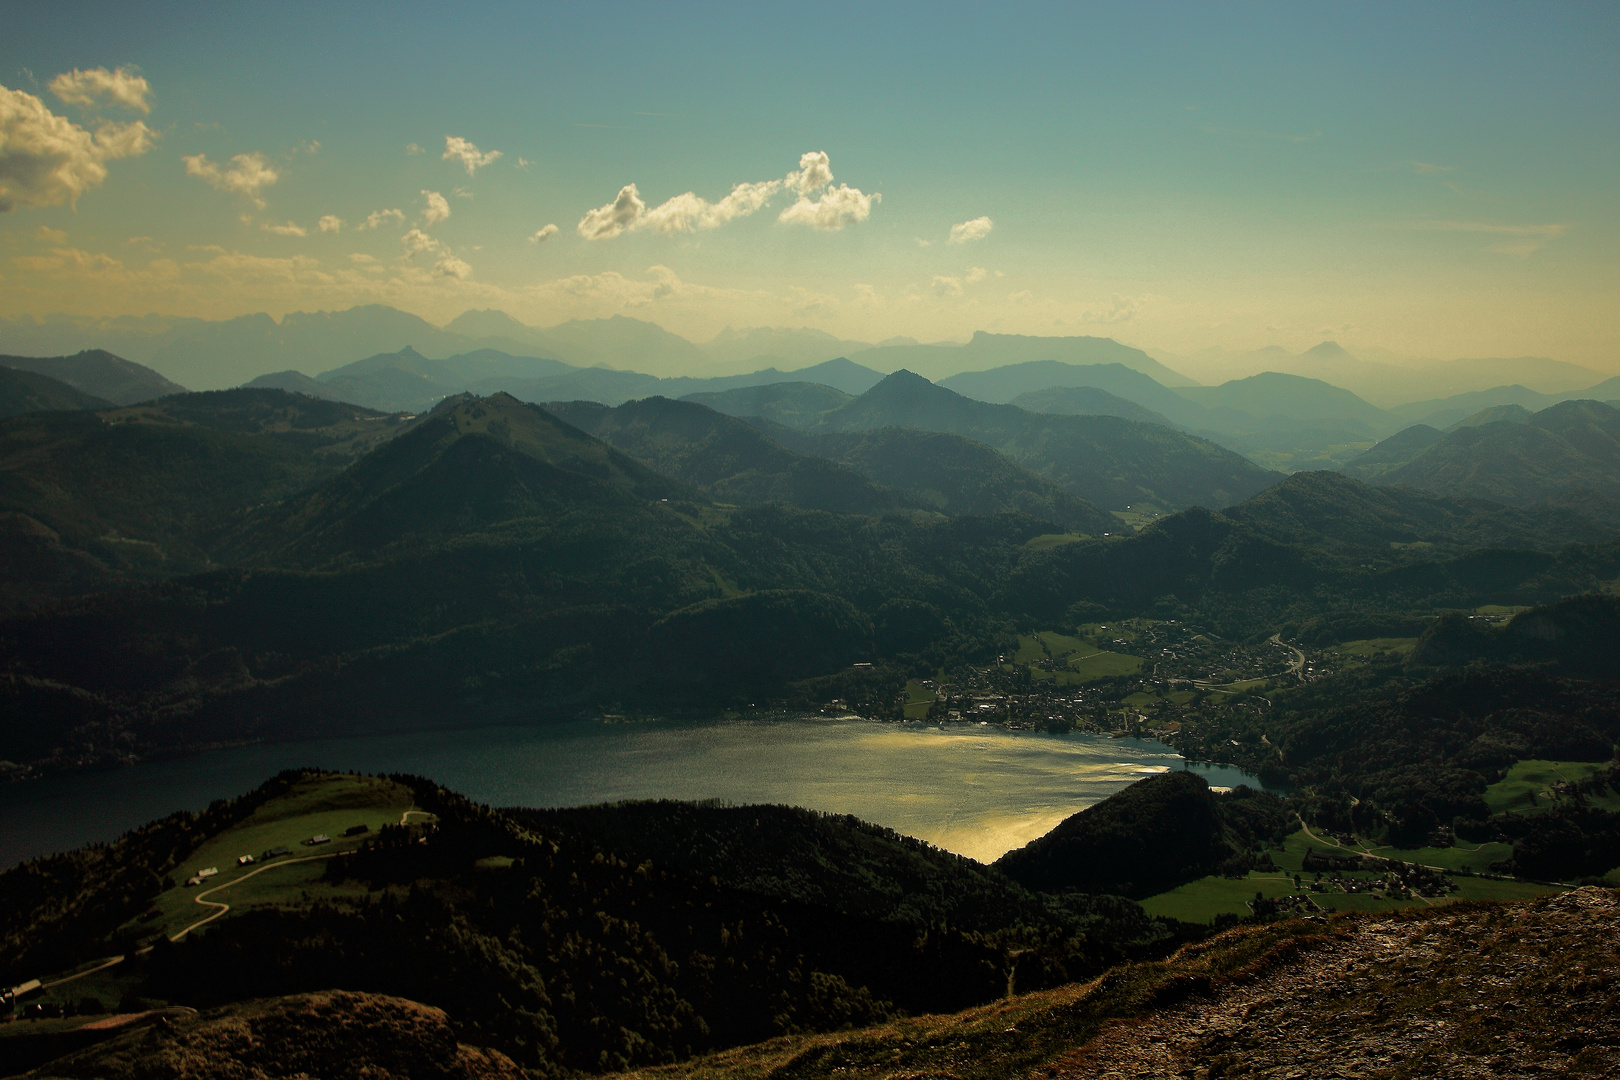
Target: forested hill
<point x="726" y="457"/>
<point x="28" y="392"/>
<point x="565" y="940"/>
<point x="100" y="374"/>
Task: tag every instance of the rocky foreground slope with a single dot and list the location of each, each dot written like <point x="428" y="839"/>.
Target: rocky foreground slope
<point x="1497" y="990"/>
<point x="1466" y="990"/>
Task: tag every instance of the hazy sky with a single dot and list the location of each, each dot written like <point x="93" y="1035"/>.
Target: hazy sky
<point x="1439" y="180"/>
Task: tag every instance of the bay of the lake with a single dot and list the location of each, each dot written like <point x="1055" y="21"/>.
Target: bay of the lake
<point x="977" y="791"/>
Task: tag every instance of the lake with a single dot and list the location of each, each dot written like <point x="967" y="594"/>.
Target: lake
<point x="977" y="791"/>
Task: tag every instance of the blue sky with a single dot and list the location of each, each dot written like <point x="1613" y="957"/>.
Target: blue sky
<point x="1439" y="180"/>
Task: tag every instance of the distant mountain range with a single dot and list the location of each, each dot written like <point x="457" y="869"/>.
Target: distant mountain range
<point x="1389" y="380"/>
<point x="1107" y="460"/>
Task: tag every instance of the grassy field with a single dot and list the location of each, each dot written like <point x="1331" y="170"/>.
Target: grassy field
<point x="1101" y="665"/>
<point x="1047" y="541"/>
<point x="1369" y="646"/>
<point x="1526" y="787"/>
<point x="918" y="699"/>
<point x="1200" y="901"/>
<point x="327" y="804"/>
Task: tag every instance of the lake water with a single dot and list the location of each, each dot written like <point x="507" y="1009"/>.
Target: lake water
<point x="978" y="791"/>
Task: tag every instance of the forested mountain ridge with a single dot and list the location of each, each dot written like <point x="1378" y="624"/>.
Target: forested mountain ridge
<point x="726" y="457"/>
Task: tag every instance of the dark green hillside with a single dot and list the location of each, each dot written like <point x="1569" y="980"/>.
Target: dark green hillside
<point x="1572" y="444"/>
<point x="789" y="853"/>
<point x="794" y="405"/>
<point x="1392" y="452"/>
<point x="1579" y="636"/>
<point x="100" y="374"/>
<point x="1152" y="836"/>
<point x="955" y="476"/>
<point x="474" y="463"/>
<point x="29" y="392"/>
<point x="294" y="382"/>
<point x="1086" y="401"/>
<point x="131" y="497"/>
<point x="333" y="431"/>
<point x="731" y="460"/>
<point x="1104" y="459"/>
<point x="1328" y="511"/>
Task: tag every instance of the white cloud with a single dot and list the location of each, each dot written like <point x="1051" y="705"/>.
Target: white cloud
<point x="50" y="235"/>
<point x="689" y="212"/>
<point x="606" y="222"/>
<point x="246" y="174"/>
<point x="330" y="223"/>
<point x="98" y="86"/>
<point x="416" y="241"/>
<point x="47" y="160"/>
<point x="924" y="243"/>
<point x="412" y="150"/>
<point x="461" y="192"/>
<point x="523" y="163"/>
<point x="977" y="229"/>
<point x="814" y="173"/>
<point x="438" y="208"/>
<point x="377" y="217"/>
<point x="975" y="275"/>
<point x="542" y="234"/>
<point x="838" y="206"/>
<point x="450" y="266"/>
<point x="362" y="259"/>
<point x="289" y="229"/>
<point x="459" y="149"/>
<point x="947" y="286"/>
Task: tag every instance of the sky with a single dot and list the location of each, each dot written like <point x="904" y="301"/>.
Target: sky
<point x="1437" y="180"/>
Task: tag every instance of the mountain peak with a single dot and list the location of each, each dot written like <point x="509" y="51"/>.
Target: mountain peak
<point x="1327" y="350"/>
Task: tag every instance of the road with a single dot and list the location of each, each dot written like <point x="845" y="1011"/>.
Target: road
<point x="1299" y="657"/>
<point x="201" y="898"/>
<point x="219" y="906"/>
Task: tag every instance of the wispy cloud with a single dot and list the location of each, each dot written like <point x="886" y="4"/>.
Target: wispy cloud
<point x="290" y="228"/>
<point x="377" y="217"/>
<point x="1517" y="239"/>
<point x="330" y="223"/>
<point x="245" y="174"/>
<point x="1259" y="135"/>
<point x="98" y="86"/>
<point x="542" y="234"/>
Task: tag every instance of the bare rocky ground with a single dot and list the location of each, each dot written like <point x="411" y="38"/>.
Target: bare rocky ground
<point x="1488" y="991"/>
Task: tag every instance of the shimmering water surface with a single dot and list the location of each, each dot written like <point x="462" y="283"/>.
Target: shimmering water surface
<point x="979" y="791"/>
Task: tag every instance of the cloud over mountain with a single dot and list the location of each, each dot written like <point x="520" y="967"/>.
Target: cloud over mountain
<point x="689" y="212"/>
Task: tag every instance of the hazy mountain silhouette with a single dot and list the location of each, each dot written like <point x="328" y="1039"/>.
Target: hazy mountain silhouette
<point x="30" y="392"/>
<point x="99" y="374"/>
